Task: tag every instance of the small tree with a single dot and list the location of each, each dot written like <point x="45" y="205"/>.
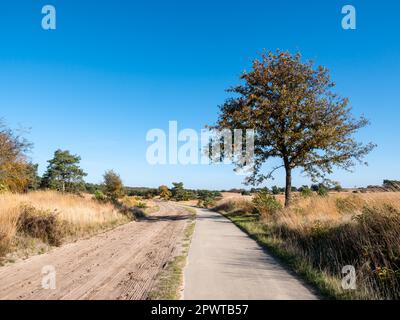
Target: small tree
<point x="207" y="198"/>
<point x="315" y="187"/>
<point x="266" y="204"/>
<point x="113" y="186"/>
<point x="15" y="169"/>
<point x="178" y="191"/>
<point x="34" y="179"/>
<point x="337" y="187"/>
<point x="296" y="117"/>
<point x="322" y="190"/>
<point x="63" y="173"/>
<point x="164" y="192"/>
<point x="275" y="190"/>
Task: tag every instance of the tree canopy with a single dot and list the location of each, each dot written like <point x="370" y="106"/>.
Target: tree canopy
<point x="15" y="168"/>
<point x="113" y="186"/>
<point x="296" y="117"/>
<point x="164" y="192"/>
<point x="63" y="172"/>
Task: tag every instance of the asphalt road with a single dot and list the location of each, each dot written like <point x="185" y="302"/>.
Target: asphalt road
<point x="224" y="263"/>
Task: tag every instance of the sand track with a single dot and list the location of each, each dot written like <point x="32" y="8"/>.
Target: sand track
<point x="119" y="264"/>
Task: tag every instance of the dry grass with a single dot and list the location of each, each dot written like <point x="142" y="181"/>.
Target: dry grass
<point x="337" y="208"/>
<point x="74" y="216"/>
<point x="320" y="235"/>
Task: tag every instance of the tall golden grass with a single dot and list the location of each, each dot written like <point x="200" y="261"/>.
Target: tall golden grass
<point x="324" y="234"/>
<point x="337" y="208"/>
<point x="76" y="215"/>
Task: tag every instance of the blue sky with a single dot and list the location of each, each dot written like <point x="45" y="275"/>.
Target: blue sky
<point x="112" y="70"/>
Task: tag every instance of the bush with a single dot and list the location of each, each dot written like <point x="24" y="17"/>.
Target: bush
<point x="266" y="204"/>
<point x="100" y="196"/>
<point x="39" y="224"/>
<point x="164" y="192"/>
<point x="306" y="192"/>
<point x="113" y="185"/>
<point x="338" y="188"/>
<point x="275" y="190"/>
<point x="141" y="205"/>
<point x="206" y="202"/>
<point x="322" y="191"/>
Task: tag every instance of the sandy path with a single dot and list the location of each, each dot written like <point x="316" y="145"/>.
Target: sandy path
<point x="119" y="264"/>
<point x="224" y="263"/>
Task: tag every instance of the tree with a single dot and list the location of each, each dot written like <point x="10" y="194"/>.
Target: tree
<point x="322" y="190"/>
<point x="337" y="187"/>
<point x="63" y="173"/>
<point x="315" y="187"/>
<point x="178" y="192"/>
<point x="275" y="190"/>
<point x="113" y="186"/>
<point x="164" y="192"/>
<point x="296" y="117"/>
<point x="34" y="179"/>
<point x="15" y="169"/>
<point x="207" y="198"/>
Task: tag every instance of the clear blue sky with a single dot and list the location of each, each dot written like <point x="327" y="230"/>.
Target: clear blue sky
<point x="115" y="69"/>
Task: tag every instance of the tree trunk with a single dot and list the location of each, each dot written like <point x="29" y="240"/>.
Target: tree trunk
<point x="288" y="187"/>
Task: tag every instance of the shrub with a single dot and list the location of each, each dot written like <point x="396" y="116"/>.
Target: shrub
<point x="306" y="192"/>
<point x="266" y="204"/>
<point x="206" y="202"/>
<point x="39" y="224"/>
<point x="275" y="190"/>
<point x="207" y="198"/>
<point x="100" y="196"/>
<point x="322" y="191"/>
<point x="113" y="185"/>
<point x="338" y="187"/>
<point x="164" y="192"/>
<point x="141" y="205"/>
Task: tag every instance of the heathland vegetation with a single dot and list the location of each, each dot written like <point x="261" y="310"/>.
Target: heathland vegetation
<point x="317" y="229"/>
<point x="41" y="211"/>
<point x="38" y="212"/>
<point x="300" y="120"/>
<point x="320" y="234"/>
